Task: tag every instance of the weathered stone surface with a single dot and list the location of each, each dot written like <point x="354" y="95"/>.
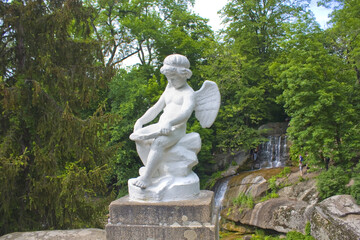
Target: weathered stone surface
<point x="148" y="232"/>
<point x="187" y="219"/>
<point x="243" y="229"/>
<point x="125" y="211"/>
<point x="242" y="159"/>
<point x="305" y="191"/>
<point x="78" y="234"/>
<point x="336" y="218"/>
<point x="230" y="171"/>
<point x="280" y="214"/>
<point x="274" y="128"/>
<point x="249" y="180"/>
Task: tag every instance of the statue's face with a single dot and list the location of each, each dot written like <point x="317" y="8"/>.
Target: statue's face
<point x="174" y="77"/>
<point x="176" y="80"/>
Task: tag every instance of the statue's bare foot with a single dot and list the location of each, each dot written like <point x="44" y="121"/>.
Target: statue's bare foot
<point x="141" y="182"/>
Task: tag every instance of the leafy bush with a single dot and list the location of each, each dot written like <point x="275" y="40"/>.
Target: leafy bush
<point x="332" y="182"/>
<point x="272" y="181"/>
<point x="355" y="189"/>
<point x="210" y="182"/>
<point x="244" y="201"/>
<point x="308" y="229"/>
<point x="269" y="196"/>
<point x="293" y="235"/>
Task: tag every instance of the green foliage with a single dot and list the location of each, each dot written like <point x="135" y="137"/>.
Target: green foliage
<point x="240" y="66"/>
<point x="53" y="147"/>
<point x="273" y="180"/>
<point x="209" y="182"/>
<point x="129" y="102"/>
<point x="272" y="184"/>
<point x="205" y="155"/>
<point x="244" y="201"/>
<point x="308" y="229"/>
<point x="261" y="235"/>
<point x="332" y="182"/>
<point x="150" y="30"/>
<point x="269" y="196"/>
<point x="292" y="235"/>
<point x="355" y="189"/>
<point x="320" y="95"/>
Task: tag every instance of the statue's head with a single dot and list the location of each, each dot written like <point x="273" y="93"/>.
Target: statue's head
<point x="178" y="63"/>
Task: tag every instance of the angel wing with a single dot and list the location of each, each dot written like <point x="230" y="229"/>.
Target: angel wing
<point x="207" y="103"/>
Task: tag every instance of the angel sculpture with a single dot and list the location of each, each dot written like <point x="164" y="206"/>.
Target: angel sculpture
<point x="167" y="152"/>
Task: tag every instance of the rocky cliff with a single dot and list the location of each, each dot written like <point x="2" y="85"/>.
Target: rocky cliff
<point x="284" y="201"/>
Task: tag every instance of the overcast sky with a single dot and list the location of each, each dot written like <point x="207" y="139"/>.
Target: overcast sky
<point x="209" y="8"/>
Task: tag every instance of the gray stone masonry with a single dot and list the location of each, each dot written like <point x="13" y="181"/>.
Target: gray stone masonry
<point x="175" y="220"/>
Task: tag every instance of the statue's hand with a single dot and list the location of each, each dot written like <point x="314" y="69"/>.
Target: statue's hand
<point x="165" y="129"/>
<point x="138" y="125"/>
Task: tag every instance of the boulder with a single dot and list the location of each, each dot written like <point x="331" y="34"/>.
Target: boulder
<point x="279" y="214"/>
<point x="241" y="158"/>
<point x="274" y="128"/>
<point x="254" y="183"/>
<point x="304" y="191"/>
<point x="232" y="227"/>
<point x="336" y="218"/>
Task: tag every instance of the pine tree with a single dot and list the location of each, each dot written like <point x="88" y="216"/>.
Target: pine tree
<point x="53" y="151"/>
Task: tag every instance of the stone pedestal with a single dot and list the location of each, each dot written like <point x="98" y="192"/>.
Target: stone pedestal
<point x="178" y="220"/>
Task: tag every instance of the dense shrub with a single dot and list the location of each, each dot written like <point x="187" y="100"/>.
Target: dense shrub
<point x="332" y="182"/>
<point x="297" y="236"/>
<point x="355" y="189"/>
<point x="244" y="200"/>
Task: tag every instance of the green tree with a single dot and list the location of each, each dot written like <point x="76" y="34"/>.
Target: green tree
<point x="240" y="64"/>
<point x="320" y="94"/>
<point x="128" y="100"/>
<point x="53" y="151"/>
<point x="344" y="31"/>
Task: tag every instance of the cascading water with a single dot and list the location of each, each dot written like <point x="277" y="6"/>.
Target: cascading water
<point x="270" y="154"/>
<point x="220" y="190"/>
<point x="273" y="153"/>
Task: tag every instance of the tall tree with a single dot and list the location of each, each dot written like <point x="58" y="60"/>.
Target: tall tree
<point x="241" y="63"/>
<point x="53" y="154"/>
<point x="320" y="93"/>
<point x="345" y="31"/>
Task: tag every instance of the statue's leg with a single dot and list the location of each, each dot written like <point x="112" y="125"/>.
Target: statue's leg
<point x="154" y="159"/>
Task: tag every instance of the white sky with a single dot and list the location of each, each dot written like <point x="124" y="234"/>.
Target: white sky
<point x="209" y="8"/>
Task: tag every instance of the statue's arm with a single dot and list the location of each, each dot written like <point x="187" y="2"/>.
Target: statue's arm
<point x="151" y="113"/>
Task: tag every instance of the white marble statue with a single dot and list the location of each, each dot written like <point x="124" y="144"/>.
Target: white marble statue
<point x="167" y="152"/>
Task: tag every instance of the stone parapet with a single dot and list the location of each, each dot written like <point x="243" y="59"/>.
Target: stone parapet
<point x="187" y="219"/>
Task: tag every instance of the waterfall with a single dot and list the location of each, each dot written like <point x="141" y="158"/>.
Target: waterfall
<point x="272" y="153"/>
<point x="220" y="190"/>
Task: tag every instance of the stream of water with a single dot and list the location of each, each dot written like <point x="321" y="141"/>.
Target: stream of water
<point x="220" y="190"/>
<point x="271" y="154"/>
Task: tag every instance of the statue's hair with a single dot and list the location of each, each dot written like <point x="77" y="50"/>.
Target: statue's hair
<point x="176" y="62"/>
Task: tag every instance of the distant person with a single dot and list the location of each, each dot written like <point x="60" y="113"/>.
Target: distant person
<point x="301" y="162"/>
<point x="327" y="161"/>
<point x="256" y="153"/>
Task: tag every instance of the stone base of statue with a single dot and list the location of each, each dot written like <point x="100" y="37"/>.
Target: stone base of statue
<point x="186" y="219"/>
